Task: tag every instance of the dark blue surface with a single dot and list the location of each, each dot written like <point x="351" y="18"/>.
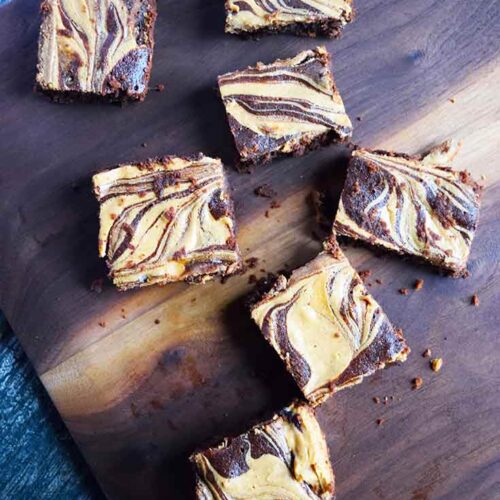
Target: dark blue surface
<point x="38" y="459"/>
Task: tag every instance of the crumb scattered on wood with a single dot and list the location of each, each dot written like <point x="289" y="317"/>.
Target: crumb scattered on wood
<point x="378" y="281"/>
<point x="474" y="300"/>
<point x="157" y="321"/>
<point x="266" y="214"/>
<point x="144" y="144"/>
<point x="275" y="204"/>
<point x="365" y="274"/>
<point x="160" y="87"/>
<point x="265" y="191"/>
<point x="380" y="421"/>
<point x="404" y="291"/>
<point x="427" y="353"/>
<point x="251" y="262"/>
<point x="376" y="400"/>
<point x="436" y="364"/>
<point x="102" y="324"/>
<point x="419" y="284"/>
<point x="452" y="100"/>
<point x="252" y="279"/>
<point x="417" y="383"/>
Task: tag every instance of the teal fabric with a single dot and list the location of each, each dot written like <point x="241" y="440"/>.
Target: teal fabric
<point x="38" y="459"/>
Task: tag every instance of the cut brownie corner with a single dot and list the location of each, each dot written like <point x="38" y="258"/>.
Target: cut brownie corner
<point x="70" y="69"/>
<point x="268" y="120"/>
<point x="325" y="326"/>
<point x="286" y="454"/>
<point x="440" y="204"/>
<point x="165" y="220"/>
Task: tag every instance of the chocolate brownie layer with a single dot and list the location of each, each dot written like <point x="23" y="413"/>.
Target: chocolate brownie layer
<point x="326" y="327"/>
<point x="165" y="220"/>
<point x="305" y="17"/>
<point x="285" y="457"/>
<point x="416" y="205"/>
<point x="284" y="108"/>
<point x="96" y="49"/>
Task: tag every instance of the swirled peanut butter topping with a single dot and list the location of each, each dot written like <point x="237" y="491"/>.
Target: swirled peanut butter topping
<point x="272" y="108"/>
<point x="93" y="46"/>
<point x="411" y="205"/>
<point x="322" y="321"/>
<point x="285" y="458"/>
<point x="166" y="220"/>
<point x="252" y="15"/>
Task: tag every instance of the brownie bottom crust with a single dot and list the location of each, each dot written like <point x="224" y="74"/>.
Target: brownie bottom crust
<point x="299" y="149"/>
<point x="328" y="28"/>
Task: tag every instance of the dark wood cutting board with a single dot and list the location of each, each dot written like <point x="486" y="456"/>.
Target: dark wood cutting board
<point x="139" y="396"/>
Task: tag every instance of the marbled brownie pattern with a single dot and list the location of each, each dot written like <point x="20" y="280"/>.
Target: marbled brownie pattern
<point x="326" y="327"/>
<point x="309" y="17"/>
<point x="96" y="47"/>
<point x="166" y="220"/>
<point x="413" y="205"/>
<point x="286" y="107"/>
<point x="285" y="457"/>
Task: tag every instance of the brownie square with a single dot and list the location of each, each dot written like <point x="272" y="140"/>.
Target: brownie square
<point x="285" y="457"/>
<point x="166" y="220"/>
<point x="415" y="205"/>
<point x="92" y="49"/>
<point x="284" y="108"/>
<point x="326" y="327"/>
<point x="308" y="17"/>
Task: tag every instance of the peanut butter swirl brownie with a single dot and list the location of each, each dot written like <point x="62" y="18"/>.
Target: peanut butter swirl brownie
<point x="165" y="220"/>
<point x="415" y="205"/>
<point x="285" y="457"/>
<point x="326" y="327"/>
<point x="302" y="17"/>
<point x="287" y="107"/>
<point x="96" y="48"/>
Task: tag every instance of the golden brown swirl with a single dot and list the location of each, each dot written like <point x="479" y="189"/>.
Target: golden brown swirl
<point x="166" y="220"/>
<point x="96" y="46"/>
<point x="254" y="15"/>
<point x="326" y="327"/>
<point x="285" y="458"/>
<point x="412" y="205"/>
<point x="280" y="107"/>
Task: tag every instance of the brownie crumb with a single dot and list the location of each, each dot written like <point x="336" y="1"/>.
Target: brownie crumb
<point x="358" y="118"/>
<point x="436" y="364"/>
<point x="380" y="421"/>
<point x="102" y="324"/>
<point x="365" y="274"/>
<point x="474" y="300"/>
<point x="404" y="291"/>
<point x="157" y="321"/>
<point x="427" y="353"/>
<point x="376" y="400"/>
<point x="266" y="214"/>
<point x="419" y="284"/>
<point x="134" y="410"/>
<point x="265" y="191"/>
<point x="378" y="281"/>
<point x="160" y="87"/>
<point x="417" y="383"/>
<point x="156" y="405"/>
<point x="275" y="204"/>
<point x="251" y="262"/>
<point x="452" y="100"/>
<point x="252" y="279"/>
<point x="96" y="285"/>
<point x="144" y="144"/>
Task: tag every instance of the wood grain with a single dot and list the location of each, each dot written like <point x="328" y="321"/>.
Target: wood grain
<point x="139" y="396"/>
